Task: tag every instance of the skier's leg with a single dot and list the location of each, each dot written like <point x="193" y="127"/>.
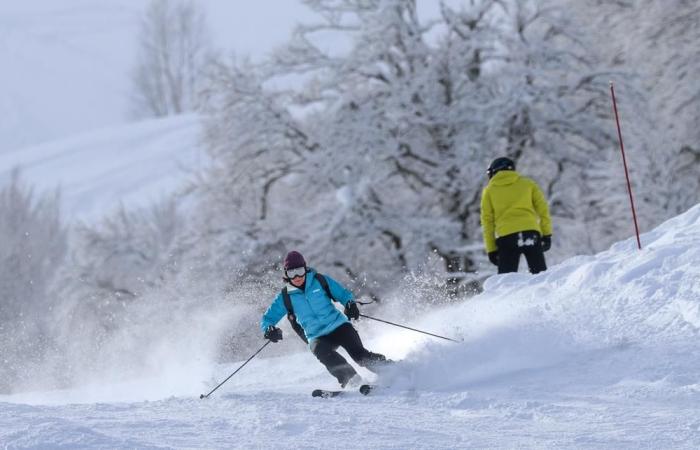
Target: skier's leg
<point x="508" y="253"/>
<point x="535" y="259"/>
<point x="349" y="339"/>
<point x="325" y="351"/>
<point x="533" y="253"/>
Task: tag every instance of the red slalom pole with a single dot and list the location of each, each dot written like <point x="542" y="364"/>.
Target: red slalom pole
<point x="624" y="163"/>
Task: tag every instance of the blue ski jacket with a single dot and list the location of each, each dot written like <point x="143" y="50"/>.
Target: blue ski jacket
<point x="315" y="312"/>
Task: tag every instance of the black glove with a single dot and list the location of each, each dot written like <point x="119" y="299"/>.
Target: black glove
<point x="546" y="242"/>
<point x="273" y="333"/>
<point x="352" y="311"/>
<point x="493" y="257"/>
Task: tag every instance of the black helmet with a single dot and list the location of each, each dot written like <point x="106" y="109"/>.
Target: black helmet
<point x="499" y="164"/>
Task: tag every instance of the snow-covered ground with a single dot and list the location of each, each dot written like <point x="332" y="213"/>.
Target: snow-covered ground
<point x="599" y="352"/>
<point x="97" y="171"/>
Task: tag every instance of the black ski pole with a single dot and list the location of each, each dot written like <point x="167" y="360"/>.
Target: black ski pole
<point x="409" y="328"/>
<point x="236" y="371"/>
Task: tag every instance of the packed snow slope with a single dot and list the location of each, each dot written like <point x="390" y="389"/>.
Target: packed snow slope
<point x="598" y="352"/>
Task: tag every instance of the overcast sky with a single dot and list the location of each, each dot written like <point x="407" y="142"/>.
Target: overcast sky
<point x="256" y="27"/>
<point x="253" y="28"/>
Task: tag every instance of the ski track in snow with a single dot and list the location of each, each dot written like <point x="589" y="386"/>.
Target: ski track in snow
<point x="598" y="352"/>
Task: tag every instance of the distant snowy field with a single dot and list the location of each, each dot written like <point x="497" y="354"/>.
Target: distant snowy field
<point x="598" y="352"/>
<point x="134" y="165"/>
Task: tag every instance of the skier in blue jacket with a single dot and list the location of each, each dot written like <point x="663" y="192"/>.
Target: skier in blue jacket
<point x="324" y="326"/>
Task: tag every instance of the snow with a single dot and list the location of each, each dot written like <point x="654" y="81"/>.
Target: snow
<point x="598" y="352"/>
<point x="66" y="90"/>
<point x="97" y="171"/>
<point x="67" y="67"/>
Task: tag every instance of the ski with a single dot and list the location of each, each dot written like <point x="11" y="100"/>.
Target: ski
<point x="324" y="393"/>
<point x="364" y="389"/>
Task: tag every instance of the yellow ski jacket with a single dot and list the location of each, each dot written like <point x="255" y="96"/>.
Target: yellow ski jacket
<point x="511" y="203"/>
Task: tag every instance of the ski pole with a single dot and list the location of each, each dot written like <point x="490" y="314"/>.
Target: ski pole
<point x="409" y="328"/>
<point x="236" y="371"/>
<point x="624" y="163"/>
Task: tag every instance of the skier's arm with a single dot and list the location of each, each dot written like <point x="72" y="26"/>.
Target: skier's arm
<point x="273" y="314"/>
<point x="488" y="222"/>
<point x="540" y="204"/>
<point x="339" y="292"/>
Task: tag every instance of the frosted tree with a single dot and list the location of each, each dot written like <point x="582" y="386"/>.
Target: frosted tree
<point x="395" y="133"/>
<point x="257" y="147"/>
<point x="113" y="264"/>
<point x="127" y="253"/>
<point x="372" y="152"/>
<point x="417" y="120"/>
<point x="32" y="248"/>
<point x="674" y="103"/>
<point x="555" y="119"/>
<point x="650" y="46"/>
<point x="173" y="51"/>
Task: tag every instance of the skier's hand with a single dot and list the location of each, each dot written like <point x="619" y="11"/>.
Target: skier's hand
<point x="546" y="242"/>
<point x="352" y="311"/>
<point x="493" y="257"/>
<point x="273" y="333"/>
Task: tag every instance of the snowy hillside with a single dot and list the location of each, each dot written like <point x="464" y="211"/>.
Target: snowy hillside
<point x="97" y="171"/>
<point x="67" y="64"/>
<point x="66" y="67"/>
<point x="599" y="352"/>
<point x="65" y="97"/>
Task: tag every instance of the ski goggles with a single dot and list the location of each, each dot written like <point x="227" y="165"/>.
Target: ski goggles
<point x="298" y="272"/>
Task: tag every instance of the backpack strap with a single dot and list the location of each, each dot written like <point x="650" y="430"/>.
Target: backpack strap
<point x="287" y="301"/>
<point x="324" y="284"/>
<point x="291" y="317"/>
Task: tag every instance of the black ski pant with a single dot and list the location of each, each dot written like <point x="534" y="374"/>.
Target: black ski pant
<point x="527" y="243"/>
<point x="324" y="348"/>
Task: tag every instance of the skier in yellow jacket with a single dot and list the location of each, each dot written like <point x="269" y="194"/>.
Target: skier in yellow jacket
<point x="515" y="219"/>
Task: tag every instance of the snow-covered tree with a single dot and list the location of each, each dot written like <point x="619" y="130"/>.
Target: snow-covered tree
<point x="32" y="248"/>
<point x="373" y="153"/>
<point x="127" y="253"/>
<point x="673" y="96"/>
<point x="256" y="146"/>
<point x="173" y="51"/>
<point x="651" y="47"/>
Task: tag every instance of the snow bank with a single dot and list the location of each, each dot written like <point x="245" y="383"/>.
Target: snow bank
<point x="620" y="299"/>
